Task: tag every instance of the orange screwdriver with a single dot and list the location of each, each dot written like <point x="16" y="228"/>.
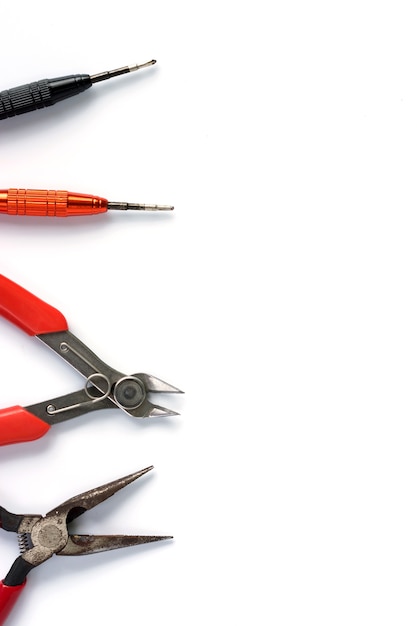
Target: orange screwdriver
<point x="45" y="203"/>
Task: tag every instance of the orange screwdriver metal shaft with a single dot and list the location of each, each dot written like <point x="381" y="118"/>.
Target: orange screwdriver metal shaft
<point x="43" y="203"/>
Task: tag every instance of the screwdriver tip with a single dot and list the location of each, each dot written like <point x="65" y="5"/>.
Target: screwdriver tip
<point x="128" y="206"/>
<point x="137" y="66"/>
<point x="151" y="207"/>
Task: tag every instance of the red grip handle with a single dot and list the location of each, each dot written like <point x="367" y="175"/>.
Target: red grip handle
<point x="8" y="598"/>
<point x="49" y="203"/>
<point x="18" y="425"/>
<point x="27" y="311"/>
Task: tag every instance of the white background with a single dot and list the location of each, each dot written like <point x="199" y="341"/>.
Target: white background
<point x="280" y="295"/>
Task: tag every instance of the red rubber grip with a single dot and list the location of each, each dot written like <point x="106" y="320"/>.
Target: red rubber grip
<point x="27" y="311"/>
<point x="8" y="598"/>
<point x="18" y="425"/>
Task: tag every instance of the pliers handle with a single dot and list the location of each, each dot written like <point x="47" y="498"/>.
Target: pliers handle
<point x="34" y="317"/>
<point x="8" y="598"/>
<point x="28" y="312"/>
<point x="9" y="594"/>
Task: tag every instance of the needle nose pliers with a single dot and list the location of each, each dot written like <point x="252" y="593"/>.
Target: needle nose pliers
<point x="40" y="537"/>
<point x="105" y="387"/>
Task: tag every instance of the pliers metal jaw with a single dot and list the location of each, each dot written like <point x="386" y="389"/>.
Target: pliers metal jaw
<point x="105" y="387"/>
<point x="41" y="537"/>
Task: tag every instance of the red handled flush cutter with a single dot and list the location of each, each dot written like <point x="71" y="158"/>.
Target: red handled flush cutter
<point x="105" y="387"/>
<point x="40" y="537"/>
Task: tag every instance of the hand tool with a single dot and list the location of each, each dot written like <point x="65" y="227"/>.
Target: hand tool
<point x="44" y="203"/>
<point x="105" y="387"/>
<point x="48" y="91"/>
<point x="40" y="537"/>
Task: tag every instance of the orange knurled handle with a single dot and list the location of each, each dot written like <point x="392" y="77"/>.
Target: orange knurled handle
<point x="44" y="203"/>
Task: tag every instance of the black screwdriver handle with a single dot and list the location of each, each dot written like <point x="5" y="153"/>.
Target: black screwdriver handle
<point x="24" y="98"/>
<point x="41" y="94"/>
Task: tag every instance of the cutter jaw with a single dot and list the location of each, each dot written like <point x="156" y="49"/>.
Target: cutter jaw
<point x="152" y="384"/>
<point x="105" y="387"/>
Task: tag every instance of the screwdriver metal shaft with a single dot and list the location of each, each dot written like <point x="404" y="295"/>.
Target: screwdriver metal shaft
<point x="97" y="78"/>
<point x="46" y="203"/>
<point x="128" y="206"/>
<point x="46" y="92"/>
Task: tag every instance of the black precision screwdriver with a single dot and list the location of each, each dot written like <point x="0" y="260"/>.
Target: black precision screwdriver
<point x="46" y="92"/>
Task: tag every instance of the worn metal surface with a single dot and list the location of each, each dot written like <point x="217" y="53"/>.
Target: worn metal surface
<point x="40" y="537"/>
